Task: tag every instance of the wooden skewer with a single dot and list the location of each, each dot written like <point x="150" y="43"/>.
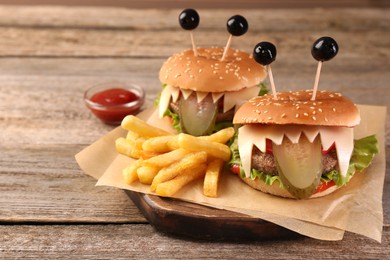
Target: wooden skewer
<point x="193" y="44"/>
<point x="227" y="47"/>
<point x="313" y="97"/>
<point x="271" y="78"/>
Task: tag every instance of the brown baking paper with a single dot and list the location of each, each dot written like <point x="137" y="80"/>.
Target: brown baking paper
<point x="357" y="207"/>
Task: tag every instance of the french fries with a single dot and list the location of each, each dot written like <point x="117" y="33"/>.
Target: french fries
<point x="194" y="144"/>
<point x="146" y="174"/>
<point x="130" y="172"/>
<point x="140" y="127"/>
<point x="123" y="146"/>
<point x="222" y="136"/>
<point x="166" y="159"/>
<point x="168" y="162"/>
<point x="161" y="144"/>
<point x="210" y="184"/>
<point x="170" y="187"/>
<point x="190" y="161"/>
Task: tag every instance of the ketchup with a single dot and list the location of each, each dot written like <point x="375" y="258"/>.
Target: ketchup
<point x="112" y="105"/>
<point x="114" y="97"/>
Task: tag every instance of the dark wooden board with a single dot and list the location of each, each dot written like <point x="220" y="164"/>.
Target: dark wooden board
<point x="192" y="220"/>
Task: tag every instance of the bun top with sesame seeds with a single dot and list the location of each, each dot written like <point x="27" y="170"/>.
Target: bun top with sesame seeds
<point x="295" y="107"/>
<point x="206" y="72"/>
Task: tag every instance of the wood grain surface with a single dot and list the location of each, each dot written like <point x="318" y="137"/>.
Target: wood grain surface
<point x="50" y="55"/>
<point x="220" y="4"/>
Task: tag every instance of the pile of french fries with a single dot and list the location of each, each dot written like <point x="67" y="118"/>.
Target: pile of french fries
<point x="167" y="162"/>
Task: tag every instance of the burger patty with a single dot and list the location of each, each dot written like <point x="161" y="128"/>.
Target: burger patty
<point x="264" y="162"/>
<point x="221" y="116"/>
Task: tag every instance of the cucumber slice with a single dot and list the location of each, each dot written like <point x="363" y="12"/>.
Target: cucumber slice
<point x="299" y="166"/>
<point x="197" y="118"/>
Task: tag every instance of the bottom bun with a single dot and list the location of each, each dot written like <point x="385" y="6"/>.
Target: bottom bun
<point x="276" y="190"/>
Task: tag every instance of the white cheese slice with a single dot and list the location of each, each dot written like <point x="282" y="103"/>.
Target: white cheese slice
<point x="311" y="133"/>
<point x="175" y="94"/>
<point x="245" y="147"/>
<point x="343" y="139"/>
<point x="216" y="96"/>
<point x="201" y="95"/>
<point x="186" y="93"/>
<point x="237" y="98"/>
<point x="165" y="98"/>
<point x="293" y="133"/>
<point x="255" y="135"/>
<point x="234" y="98"/>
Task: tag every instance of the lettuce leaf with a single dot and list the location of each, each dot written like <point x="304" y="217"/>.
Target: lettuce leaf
<point x="363" y="152"/>
<point x="263" y="89"/>
<point x="175" y="119"/>
<point x="362" y="155"/>
<point x="174" y="116"/>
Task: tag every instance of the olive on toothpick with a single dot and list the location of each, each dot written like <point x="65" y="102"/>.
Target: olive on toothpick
<point x="323" y="49"/>
<point x="189" y="20"/>
<point x="265" y="53"/>
<point x="236" y="25"/>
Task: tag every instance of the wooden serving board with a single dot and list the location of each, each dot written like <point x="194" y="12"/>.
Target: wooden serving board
<point x="192" y="220"/>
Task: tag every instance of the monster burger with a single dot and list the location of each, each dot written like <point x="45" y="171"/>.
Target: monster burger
<point x="297" y="148"/>
<point x="299" y="144"/>
<point x="200" y="93"/>
<point x="202" y="87"/>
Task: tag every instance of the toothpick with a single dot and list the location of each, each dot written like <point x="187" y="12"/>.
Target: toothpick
<point x="227" y="47"/>
<point x="313" y="97"/>
<point x="271" y="78"/>
<point x="193" y="44"/>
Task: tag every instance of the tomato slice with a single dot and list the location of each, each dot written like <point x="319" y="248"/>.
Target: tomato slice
<point x="235" y="168"/>
<point x="333" y="146"/>
<point x="268" y="146"/>
<point x="324" y="186"/>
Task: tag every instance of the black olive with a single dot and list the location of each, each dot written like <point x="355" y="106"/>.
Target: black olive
<point x="324" y="49"/>
<point x="237" y="25"/>
<point x="264" y="53"/>
<point x="189" y="19"/>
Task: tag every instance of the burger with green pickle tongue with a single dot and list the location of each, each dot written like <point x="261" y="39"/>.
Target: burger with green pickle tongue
<point x="201" y="93"/>
<point x="295" y="147"/>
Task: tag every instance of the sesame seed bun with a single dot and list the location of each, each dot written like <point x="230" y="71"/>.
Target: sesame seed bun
<point x="206" y="72"/>
<point x="295" y="107"/>
<point x="276" y="190"/>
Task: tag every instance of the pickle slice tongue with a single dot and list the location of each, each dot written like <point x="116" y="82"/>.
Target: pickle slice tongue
<point x="197" y="118"/>
<point x="299" y="166"/>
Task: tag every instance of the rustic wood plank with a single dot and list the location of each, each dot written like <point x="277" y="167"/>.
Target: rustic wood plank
<point x="44" y="184"/>
<point x="220" y="4"/>
<point x="153" y="19"/>
<point x="143" y="242"/>
<point x="130" y="33"/>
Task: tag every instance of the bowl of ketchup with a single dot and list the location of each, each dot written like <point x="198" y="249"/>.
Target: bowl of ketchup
<point x="111" y="102"/>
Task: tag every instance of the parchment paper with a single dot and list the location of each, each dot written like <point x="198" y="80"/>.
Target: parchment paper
<point x="356" y="207"/>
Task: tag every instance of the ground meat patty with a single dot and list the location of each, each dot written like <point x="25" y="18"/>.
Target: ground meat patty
<point x="264" y="162"/>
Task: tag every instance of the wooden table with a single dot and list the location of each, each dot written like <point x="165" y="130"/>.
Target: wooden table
<point x="50" y="56"/>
